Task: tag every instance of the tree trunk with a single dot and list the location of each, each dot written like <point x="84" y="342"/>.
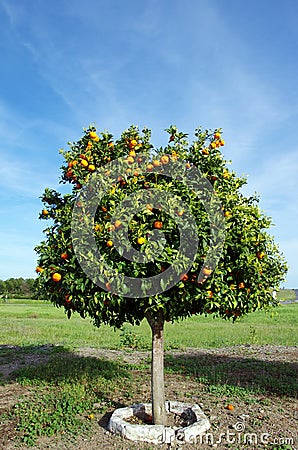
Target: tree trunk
<point x="157" y="368"/>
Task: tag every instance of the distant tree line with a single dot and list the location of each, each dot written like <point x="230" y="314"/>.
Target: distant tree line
<point x="17" y="288"/>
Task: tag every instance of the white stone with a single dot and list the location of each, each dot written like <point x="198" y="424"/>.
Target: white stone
<point x="159" y="434"/>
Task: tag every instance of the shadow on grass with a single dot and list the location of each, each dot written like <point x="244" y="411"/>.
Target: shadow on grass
<point x="249" y="375"/>
<point x="54" y="364"/>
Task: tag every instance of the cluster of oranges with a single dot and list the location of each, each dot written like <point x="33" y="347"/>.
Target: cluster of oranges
<point x="55" y="276"/>
<point x="84" y="160"/>
<point x="215" y="143"/>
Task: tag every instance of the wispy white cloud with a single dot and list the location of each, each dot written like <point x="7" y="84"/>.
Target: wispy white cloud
<point x="14" y="11"/>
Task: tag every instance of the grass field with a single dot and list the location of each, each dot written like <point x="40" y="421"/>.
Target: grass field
<point x="38" y="323"/>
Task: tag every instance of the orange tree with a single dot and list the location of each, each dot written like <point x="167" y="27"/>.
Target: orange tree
<point x="159" y="234"/>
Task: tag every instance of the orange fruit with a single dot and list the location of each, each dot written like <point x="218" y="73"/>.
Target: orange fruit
<point x="108" y="287"/>
<point x="205" y="151"/>
<point x="164" y="159"/>
<point x="67" y="299"/>
<point x="209" y="294"/>
<point x="93" y="136"/>
<point x="149" y="207"/>
<point x="217" y="135"/>
<point x="132" y="143"/>
<point x="56" y="277"/>
<point x="69" y="174"/>
<point x="111" y="144"/>
<point x="45" y="212"/>
<point x="157" y="224"/>
<point x="111" y="228"/>
<point x="156" y="163"/>
<point x="130" y="159"/>
<point x="110" y="243"/>
<point x="91" y="167"/>
<point x="132" y="153"/>
<point x="241" y="285"/>
<point x="184" y="277"/>
<point x="213" y="145"/>
<point x="84" y="163"/>
<point x="228" y="214"/>
<point x="260" y="255"/>
<point x="222" y="142"/>
<point x="150" y="167"/>
<point x="117" y="223"/>
<point x="104" y="209"/>
<point x="230" y="407"/>
<point x="39" y="269"/>
<point x="187" y="165"/>
<point x="207" y="271"/>
<point x="172" y="137"/>
<point x="141" y="240"/>
<point x="64" y="255"/>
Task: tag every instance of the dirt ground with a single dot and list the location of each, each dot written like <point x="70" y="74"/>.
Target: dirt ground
<point x="266" y="421"/>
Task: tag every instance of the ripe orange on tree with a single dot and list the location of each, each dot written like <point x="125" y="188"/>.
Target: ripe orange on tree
<point x="164" y="159"/>
<point x="117" y="223"/>
<point x="64" y="255"/>
<point x="84" y="163"/>
<point x="93" y="135"/>
<point x="157" y="224"/>
<point x="207" y="271"/>
<point x="110" y="243"/>
<point x="184" y="277"/>
<point x="56" y="277"/>
<point x="260" y="255"/>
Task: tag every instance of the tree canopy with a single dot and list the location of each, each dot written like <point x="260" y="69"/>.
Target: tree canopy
<point x="128" y="206"/>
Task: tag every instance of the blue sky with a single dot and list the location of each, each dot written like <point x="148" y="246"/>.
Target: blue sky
<point x="68" y="63"/>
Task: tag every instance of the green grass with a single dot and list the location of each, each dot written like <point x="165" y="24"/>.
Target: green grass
<point x="41" y="323"/>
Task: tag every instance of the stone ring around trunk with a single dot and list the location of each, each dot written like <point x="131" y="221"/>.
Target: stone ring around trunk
<point x="192" y="423"/>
